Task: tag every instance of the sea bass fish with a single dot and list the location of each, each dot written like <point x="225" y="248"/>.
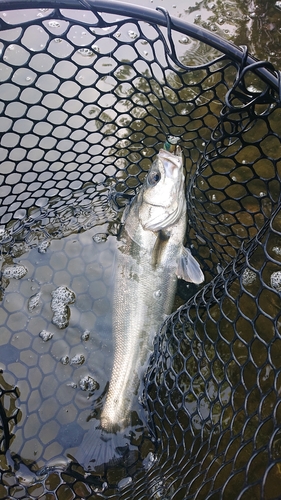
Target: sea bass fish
<point x="151" y="257"/>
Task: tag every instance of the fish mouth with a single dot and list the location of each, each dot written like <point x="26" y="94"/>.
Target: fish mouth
<point x="171" y="162"/>
<point x="162" y="208"/>
<point x="176" y="155"/>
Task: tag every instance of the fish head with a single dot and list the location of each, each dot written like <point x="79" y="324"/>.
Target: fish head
<point x="162" y="197"/>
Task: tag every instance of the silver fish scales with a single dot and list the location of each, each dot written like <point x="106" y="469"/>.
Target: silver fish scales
<point x="150" y="259"/>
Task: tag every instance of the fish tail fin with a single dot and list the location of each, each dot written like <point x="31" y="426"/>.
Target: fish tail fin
<point x="100" y="447"/>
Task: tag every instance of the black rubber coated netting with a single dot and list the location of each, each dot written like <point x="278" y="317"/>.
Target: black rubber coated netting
<point x="87" y="98"/>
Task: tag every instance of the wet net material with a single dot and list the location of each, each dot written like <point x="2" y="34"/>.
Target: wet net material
<point x="87" y="98"/>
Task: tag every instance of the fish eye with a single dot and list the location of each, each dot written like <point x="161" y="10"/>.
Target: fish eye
<point x="153" y="178"/>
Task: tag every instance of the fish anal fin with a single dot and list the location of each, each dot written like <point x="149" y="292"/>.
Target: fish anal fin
<point x="188" y="268"/>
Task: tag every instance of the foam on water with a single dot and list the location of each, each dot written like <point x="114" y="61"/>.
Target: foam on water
<point x="61" y="298"/>
<point x="275" y="280"/>
<point x="34" y="302"/>
<point x="45" y="336"/>
<point x="56" y="345"/>
<point x="87" y="383"/>
<point x="78" y="359"/>
<point x="43" y="246"/>
<point x="17" y="272"/>
<point x="248" y="277"/>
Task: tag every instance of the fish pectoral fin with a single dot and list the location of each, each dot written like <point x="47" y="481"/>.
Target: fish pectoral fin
<point x="188" y="268"/>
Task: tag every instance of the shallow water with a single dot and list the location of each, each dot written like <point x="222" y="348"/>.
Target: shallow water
<point x="55" y="340"/>
<point x="56" y="336"/>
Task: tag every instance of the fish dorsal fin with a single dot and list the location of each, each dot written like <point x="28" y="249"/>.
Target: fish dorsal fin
<point x="188" y="268"/>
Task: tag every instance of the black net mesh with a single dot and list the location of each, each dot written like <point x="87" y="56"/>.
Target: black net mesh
<point x="87" y="99"/>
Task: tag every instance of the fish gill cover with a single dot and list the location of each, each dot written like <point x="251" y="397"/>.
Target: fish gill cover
<point x="88" y="98"/>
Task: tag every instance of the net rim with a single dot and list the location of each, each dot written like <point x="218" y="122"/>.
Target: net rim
<point x="154" y="16"/>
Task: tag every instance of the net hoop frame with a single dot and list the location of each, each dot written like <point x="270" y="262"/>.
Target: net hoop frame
<point x="158" y="16"/>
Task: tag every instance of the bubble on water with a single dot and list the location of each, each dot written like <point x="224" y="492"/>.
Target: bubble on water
<point x="149" y="460"/>
<point x="78" y="359"/>
<point x="141" y="400"/>
<point x="103" y="487"/>
<point x="54" y="24"/>
<point x="157" y="294"/>
<point x="17" y="272"/>
<point x="45" y="336"/>
<point x="87" y="383"/>
<point x="252" y="89"/>
<point x="43" y="246"/>
<point x="34" y="302"/>
<point x="86" y="52"/>
<point x="219" y="268"/>
<point x="277" y="250"/>
<point x="72" y="384"/>
<point x="86" y="335"/>
<point x="61" y="298"/>
<point x="184" y="40"/>
<point x="248" y="276"/>
<point x="124" y="482"/>
<point x="275" y="280"/>
<point x="100" y="237"/>
<point x="132" y="34"/>
<point x="64" y="360"/>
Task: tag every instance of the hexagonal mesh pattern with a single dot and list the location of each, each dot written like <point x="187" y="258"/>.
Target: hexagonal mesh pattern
<point x="215" y="381"/>
<point x="87" y="99"/>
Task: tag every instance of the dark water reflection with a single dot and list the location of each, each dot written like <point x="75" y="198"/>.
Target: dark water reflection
<point x="255" y="23"/>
